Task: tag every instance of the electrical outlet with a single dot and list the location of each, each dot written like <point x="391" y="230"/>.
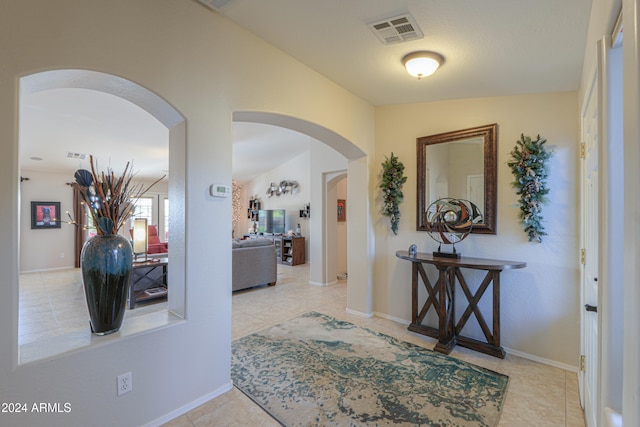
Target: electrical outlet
<point x="61" y="254"/>
<point x="125" y="383"/>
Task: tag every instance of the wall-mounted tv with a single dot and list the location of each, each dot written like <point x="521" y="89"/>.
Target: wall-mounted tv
<point x="271" y="221"/>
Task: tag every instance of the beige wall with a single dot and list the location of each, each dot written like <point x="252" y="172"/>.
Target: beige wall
<point x="602" y="19"/>
<point x="341" y="232"/>
<point x="540" y="313"/>
<point x="53" y="248"/>
<point x="205" y="67"/>
<point x="296" y="169"/>
<point x="46" y="249"/>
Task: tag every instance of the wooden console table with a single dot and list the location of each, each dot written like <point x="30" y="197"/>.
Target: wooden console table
<point x="441" y="296"/>
<point x="145" y="276"/>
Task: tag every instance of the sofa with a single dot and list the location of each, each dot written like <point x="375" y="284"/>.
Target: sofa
<point x="253" y="263"/>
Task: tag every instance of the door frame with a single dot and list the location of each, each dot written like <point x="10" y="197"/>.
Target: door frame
<point x="594" y="90"/>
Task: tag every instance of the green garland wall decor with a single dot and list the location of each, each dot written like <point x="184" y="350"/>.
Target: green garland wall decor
<point x="530" y="169"/>
<point x="391" y="185"/>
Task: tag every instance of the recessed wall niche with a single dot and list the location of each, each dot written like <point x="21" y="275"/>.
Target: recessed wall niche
<point x="93" y="107"/>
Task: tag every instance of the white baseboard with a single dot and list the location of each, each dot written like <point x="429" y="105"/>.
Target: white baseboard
<point x="359" y="313"/>
<point x="508" y="350"/>
<point x="322" y="284"/>
<point x="189" y="406"/>
<point x="392" y="318"/>
<point x="542" y="360"/>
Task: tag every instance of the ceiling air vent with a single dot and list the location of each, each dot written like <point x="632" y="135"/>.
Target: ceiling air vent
<point x="397" y="29"/>
<point x="216" y="5"/>
<point x="78" y="156"/>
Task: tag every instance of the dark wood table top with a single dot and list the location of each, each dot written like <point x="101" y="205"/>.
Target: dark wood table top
<point x="151" y="262"/>
<point x="463" y="262"/>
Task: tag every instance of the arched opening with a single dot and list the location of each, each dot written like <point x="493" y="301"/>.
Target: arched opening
<point x="336" y="225"/>
<point x="359" y="298"/>
<point x="110" y="92"/>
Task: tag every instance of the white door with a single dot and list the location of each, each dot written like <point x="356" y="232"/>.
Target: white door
<point x="590" y="226"/>
<point x="475" y="190"/>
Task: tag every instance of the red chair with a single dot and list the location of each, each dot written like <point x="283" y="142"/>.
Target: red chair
<point x="155" y="246"/>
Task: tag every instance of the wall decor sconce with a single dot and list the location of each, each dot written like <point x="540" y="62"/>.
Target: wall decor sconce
<point x="305" y="212"/>
<point x="284" y="187"/>
<point x="287" y="186"/>
<point x="422" y="63"/>
<point x="273" y="189"/>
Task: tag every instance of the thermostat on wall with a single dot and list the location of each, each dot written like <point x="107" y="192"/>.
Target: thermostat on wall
<point x="219" y="190"/>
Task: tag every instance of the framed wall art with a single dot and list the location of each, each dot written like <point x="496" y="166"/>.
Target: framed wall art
<point x="342" y="210"/>
<point x="45" y="215"/>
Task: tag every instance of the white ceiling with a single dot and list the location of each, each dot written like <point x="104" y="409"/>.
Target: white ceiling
<point x="491" y="48"/>
<point x="258" y="148"/>
<point x="115" y="131"/>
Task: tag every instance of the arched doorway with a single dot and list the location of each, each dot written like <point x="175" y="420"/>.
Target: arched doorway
<point x="359" y="298"/>
<point x="336" y="225"/>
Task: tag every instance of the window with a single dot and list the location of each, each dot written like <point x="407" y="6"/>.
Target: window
<point x="144" y="209"/>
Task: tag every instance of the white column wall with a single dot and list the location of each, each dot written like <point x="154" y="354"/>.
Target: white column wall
<point x="205" y="67"/>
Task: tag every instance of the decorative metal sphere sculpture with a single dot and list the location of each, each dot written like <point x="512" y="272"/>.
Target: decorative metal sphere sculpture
<point x="450" y="221"/>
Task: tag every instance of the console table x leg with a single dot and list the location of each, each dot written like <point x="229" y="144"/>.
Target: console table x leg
<point x="432" y="301"/>
<point x="492" y="345"/>
<point x="446" y="288"/>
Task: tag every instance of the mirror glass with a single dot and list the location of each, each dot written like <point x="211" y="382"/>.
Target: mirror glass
<point x="461" y="165"/>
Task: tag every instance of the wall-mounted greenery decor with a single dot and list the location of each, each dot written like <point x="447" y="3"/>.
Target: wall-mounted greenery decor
<point x="391" y="185"/>
<point x="530" y="169"/>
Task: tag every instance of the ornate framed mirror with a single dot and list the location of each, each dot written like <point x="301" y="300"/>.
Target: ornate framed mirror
<point x="460" y="164"/>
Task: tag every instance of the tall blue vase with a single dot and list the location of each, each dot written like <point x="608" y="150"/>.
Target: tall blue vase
<point x="106" y="263"/>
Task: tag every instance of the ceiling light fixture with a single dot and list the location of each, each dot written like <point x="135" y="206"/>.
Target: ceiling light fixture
<point x="423" y="63"/>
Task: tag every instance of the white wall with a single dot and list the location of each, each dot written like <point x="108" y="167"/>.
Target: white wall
<point x="310" y="175"/>
<point x="206" y="82"/>
<point x="540" y="312"/>
<point x="601" y="22"/>
<point x="326" y="162"/>
<point x="341" y="231"/>
<point x="53" y="248"/>
<point x="296" y="169"/>
<point x="50" y="248"/>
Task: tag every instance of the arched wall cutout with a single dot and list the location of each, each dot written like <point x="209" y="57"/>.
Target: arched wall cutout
<point x="108" y="83"/>
<point x="329" y="137"/>
<point x="166" y="114"/>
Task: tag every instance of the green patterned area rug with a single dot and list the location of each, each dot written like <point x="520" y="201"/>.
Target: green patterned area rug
<point x="315" y="370"/>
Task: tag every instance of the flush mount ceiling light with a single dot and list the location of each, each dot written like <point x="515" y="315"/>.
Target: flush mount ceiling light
<point x="423" y="63"/>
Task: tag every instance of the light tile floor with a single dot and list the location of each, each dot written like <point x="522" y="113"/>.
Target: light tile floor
<point x="538" y="395"/>
<point x="52" y="303"/>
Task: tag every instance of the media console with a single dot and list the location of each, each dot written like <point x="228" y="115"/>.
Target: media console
<point x="148" y="281"/>
<point x="292" y="250"/>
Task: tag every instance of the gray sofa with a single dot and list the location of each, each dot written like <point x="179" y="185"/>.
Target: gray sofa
<point x="253" y="263"/>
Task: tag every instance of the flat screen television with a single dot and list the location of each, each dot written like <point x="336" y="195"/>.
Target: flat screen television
<point x="271" y="221"/>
